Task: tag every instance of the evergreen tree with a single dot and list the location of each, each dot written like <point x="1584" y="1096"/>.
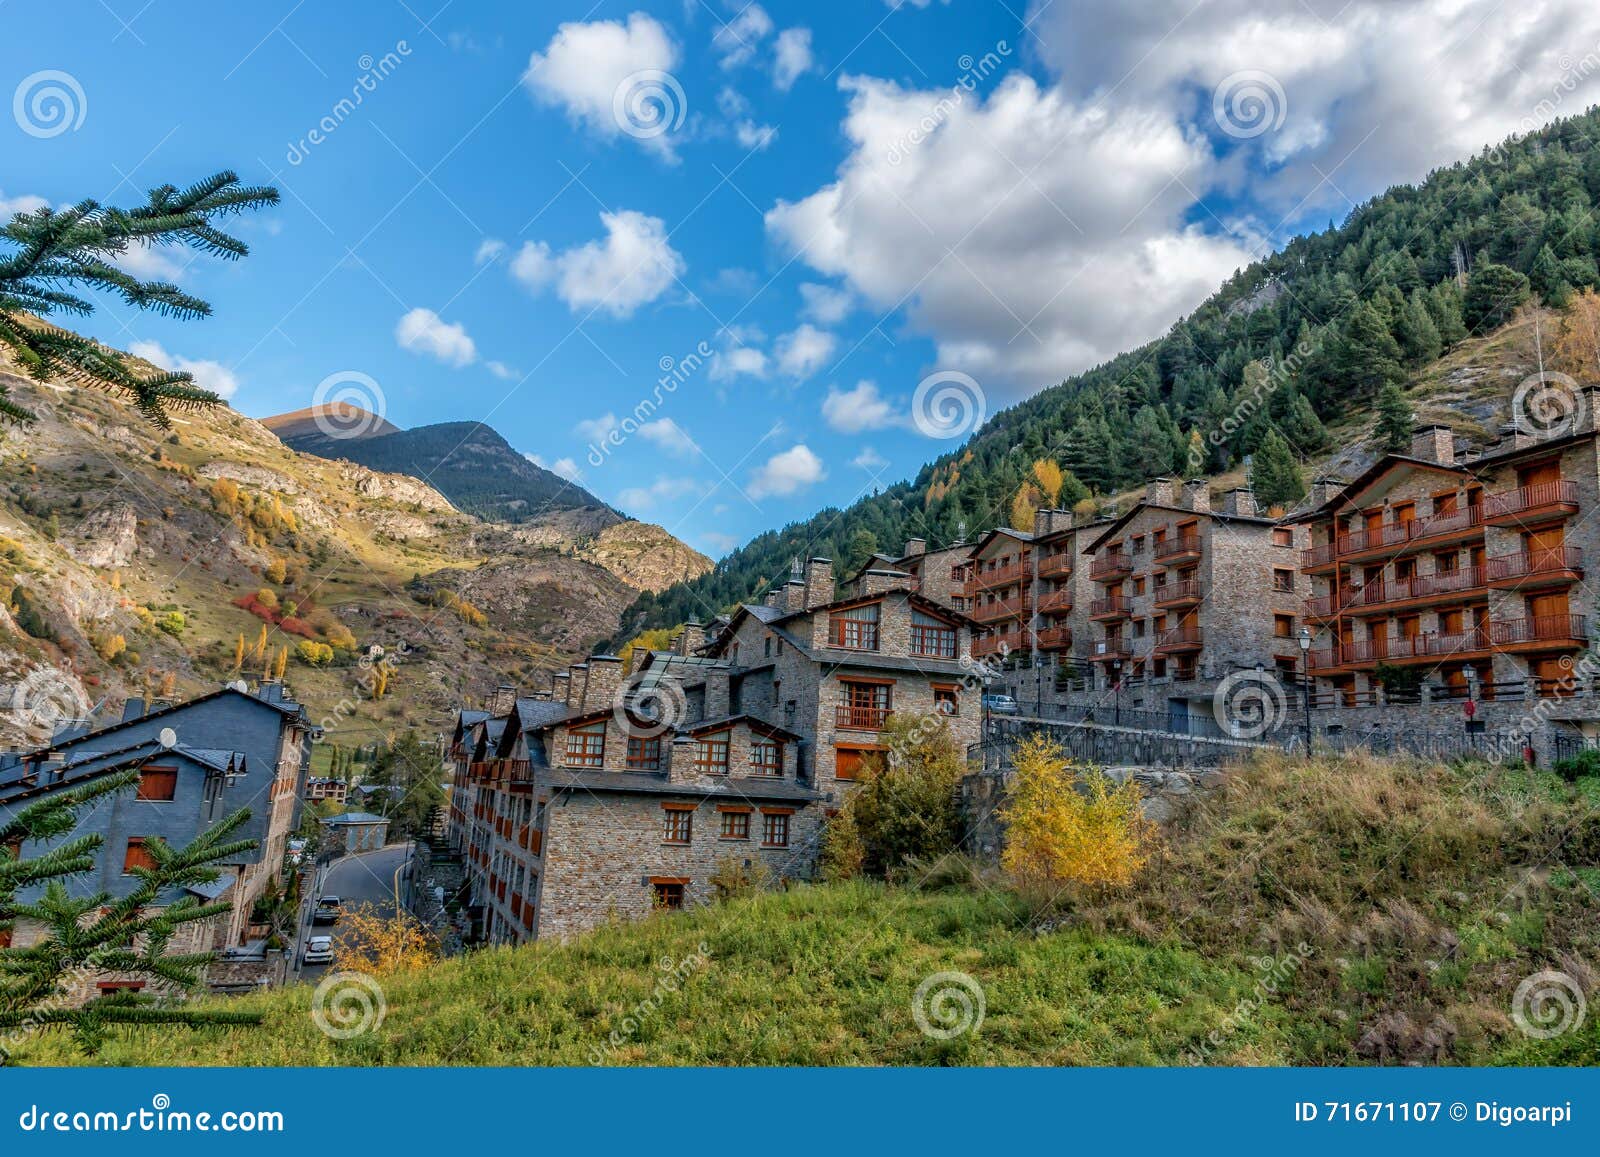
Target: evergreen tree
<point x="1304" y="430"/>
<point x="61" y="250"/>
<point x="1493" y="294"/>
<point x="1274" y="474"/>
<point x="1417" y="335"/>
<point x="95" y="932"/>
<point x="1394" y="419"/>
<point x="1367" y="356"/>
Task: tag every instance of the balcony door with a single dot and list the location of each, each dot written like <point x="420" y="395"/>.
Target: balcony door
<point x="1540" y="473"/>
<point x="1548" y="614"/>
<point x="1544" y="548"/>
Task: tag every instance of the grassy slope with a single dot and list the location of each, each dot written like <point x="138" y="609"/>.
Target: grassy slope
<point x="1425" y="894"/>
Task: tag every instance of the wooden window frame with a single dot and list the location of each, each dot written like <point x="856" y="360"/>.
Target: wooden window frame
<point x="167" y="772"/>
<point x="578" y="753"/>
<point x="673" y="817"/>
<point x="949" y="693"/>
<point x="135" y="856"/>
<point x="1280" y="588"/>
<point x="859" y="750"/>
<point x="767" y="769"/>
<point x="638" y="745"/>
<point x="705" y="748"/>
<point x="737" y="817"/>
<point x="772" y="820"/>
<point x="664" y="886"/>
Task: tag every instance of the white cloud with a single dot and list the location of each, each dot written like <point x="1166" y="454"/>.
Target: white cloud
<point x="718" y="543"/>
<point x="734" y="279"/>
<point x="584" y="65"/>
<point x="863" y="408"/>
<point x="746" y="361"/>
<point x="792" y="57"/>
<point x="634" y="265"/>
<point x="737" y="40"/>
<point x="150" y="263"/>
<point x="753" y="136"/>
<point x="1003" y="227"/>
<point x="663" y="489"/>
<point x="803" y="351"/>
<point x="787" y="473"/>
<point x="597" y="429"/>
<point x="564" y="467"/>
<point x="25" y="203"/>
<point x="869" y="460"/>
<point x="208" y="375"/>
<point x="421" y="331"/>
<point x="826" y="304"/>
<point x="502" y="371"/>
<point x="488" y="249"/>
<point x="670" y="436"/>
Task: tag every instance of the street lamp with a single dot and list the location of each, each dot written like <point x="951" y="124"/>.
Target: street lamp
<point x="1305" y="686"/>
<point x="1116" y="689"/>
<point x="1470" y="709"/>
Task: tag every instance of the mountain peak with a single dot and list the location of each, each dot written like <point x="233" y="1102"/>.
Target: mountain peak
<point x="343" y="420"/>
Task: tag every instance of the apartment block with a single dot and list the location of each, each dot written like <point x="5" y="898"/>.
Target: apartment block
<point x="1028" y="592"/>
<point x="1458" y="567"/>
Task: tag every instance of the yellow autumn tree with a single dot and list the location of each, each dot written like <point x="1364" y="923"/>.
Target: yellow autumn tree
<point x="1024" y="505"/>
<point x="1577" y="350"/>
<point x="238" y="652"/>
<point x="1070" y="827"/>
<point x="280" y="663"/>
<point x="383" y="945"/>
<point x="380" y="680"/>
<point x="1050" y="478"/>
<point x="259" y="651"/>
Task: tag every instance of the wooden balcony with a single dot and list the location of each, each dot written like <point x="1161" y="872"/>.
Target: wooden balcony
<point x="1000" y="576"/>
<point x="1544" y="632"/>
<point x="1323" y="660"/>
<point x="1179" y="640"/>
<point x="1453" y="586"/>
<point x="1055" y="602"/>
<point x="1531" y="505"/>
<point x="1110" y="609"/>
<point x="1055" y="566"/>
<point x="1185" y="593"/>
<point x="849" y="717"/>
<point x="1318" y="558"/>
<point x="1054" y="638"/>
<point x="1398" y="538"/>
<point x="990" y="645"/>
<point x="1111" y="650"/>
<point x="1325" y="607"/>
<point x="993" y="612"/>
<point x="1113" y="566"/>
<point x="1530" y="570"/>
<point x="1178" y="551"/>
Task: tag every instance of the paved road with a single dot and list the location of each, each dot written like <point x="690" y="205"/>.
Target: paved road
<point x="367" y="878"/>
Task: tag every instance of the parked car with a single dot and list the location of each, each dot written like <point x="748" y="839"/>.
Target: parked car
<point x="326" y="911"/>
<point x="319" y="950"/>
<point x="1000" y="704"/>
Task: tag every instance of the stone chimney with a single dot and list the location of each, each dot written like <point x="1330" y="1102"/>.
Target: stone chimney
<point x="1324" y="489"/>
<point x="877" y="581"/>
<point x="819" y="582"/>
<point x="1434" y="443"/>
<point x="680" y="758"/>
<point x="1050" y="521"/>
<point x="794" y="596"/>
<point x="916" y="546"/>
<point x="1160" y="491"/>
<point x="1197" y="496"/>
<point x="1241" y="500"/>
<point x="605" y="679"/>
<point x="561" y="687"/>
<point x="719" y="693"/>
<point x="691" y="638"/>
<point x="501" y="700"/>
<point x="578" y="687"/>
<point x="773" y="597"/>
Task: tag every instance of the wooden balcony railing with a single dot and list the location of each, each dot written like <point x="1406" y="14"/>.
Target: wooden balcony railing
<point x="853" y="718"/>
<point x="1183" y="591"/>
<point x="1055" y="565"/>
<point x="1109" y="607"/>
<point x="1055" y="602"/>
<point x="1111" y="564"/>
<point x="1183" y="544"/>
<point x="1054" y="638"/>
<point x="1179" y="638"/>
<point x="989" y="612"/>
<point x="1531" y="564"/>
<point x="1000" y="576"/>
<point x="1541" y="495"/>
<point x="1539" y="629"/>
<point x="1463" y="581"/>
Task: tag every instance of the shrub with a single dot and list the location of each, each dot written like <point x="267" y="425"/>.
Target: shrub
<point x="314" y="654"/>
<point x="173" y="623"/>
<point x="906" y="806"/>
<point x="267" y="598"/>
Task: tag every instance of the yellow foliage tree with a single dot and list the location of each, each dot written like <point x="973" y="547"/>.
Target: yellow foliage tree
<point x="380" y="680"/>
<point x="1068" y="826"/>
<point x="276" y="571"/>
<point x="280" y="663"/>
<point x="1578" y="348"/>
<point x="382" y="945"/>
<point x="238" y="652"/>
<point x="259" y="651"/>
<point x="1024" y="505"/>
<point x="1050" y="479"/>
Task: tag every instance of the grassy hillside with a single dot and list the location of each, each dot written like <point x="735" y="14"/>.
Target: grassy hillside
<point x="1422" y="896"/>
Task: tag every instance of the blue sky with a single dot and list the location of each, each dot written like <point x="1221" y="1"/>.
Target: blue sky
<point x="843" y="199"/>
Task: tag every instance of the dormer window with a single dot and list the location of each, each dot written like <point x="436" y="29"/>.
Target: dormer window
<point x="766" y="757"/>
<point x="711" y="754"/>
<point x="932" y="638"/>
<point x="855" y="628"/>
<point x="586" y="746"/>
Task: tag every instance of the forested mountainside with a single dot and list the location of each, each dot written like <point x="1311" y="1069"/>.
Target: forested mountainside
<point x="468" y="462"/>
<point x="1319" y="329"/>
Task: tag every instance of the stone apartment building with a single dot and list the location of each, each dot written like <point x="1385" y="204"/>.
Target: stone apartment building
<point x="1458" y="570"/>
<point x="1029" y="593"/>
<point x="197" y="763"/>
<point x="321" y="788"/>
<point x="616" y="794"/>
<point x="1185" y="594"/>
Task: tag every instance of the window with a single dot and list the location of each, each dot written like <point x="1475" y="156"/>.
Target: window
<point x="1282" y="536"/>
<point x="774" y="829"/>
<point x="711" y="754"/>
<point x="113" y="987"/>
<point x="946" y="700"/>
<point x="1283" y="626"/>
<point x="735" y="824"/>
<point x="766" y="647"/>
<point x="1138" y="585"/>
<point x="855" y="628"/>
<point x="137" y="856"/>
<point x="862" y="706"/>
<point x="678" y="823"/>
<point x="1283" y="580"/>
<point x="158" y="784"/>
<point x="667" y="893"/>
<point x="766" y="757"/>
<point x="13" y="848"/>
<point x="932" y="637"/>
<point x="586" y="746"/>
<point x="644" y="753"/>
<point x="848" y="761"/>
<point x="1138" y="628"/>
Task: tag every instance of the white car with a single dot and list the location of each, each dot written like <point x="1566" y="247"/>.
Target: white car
<point x="319" y="950"/>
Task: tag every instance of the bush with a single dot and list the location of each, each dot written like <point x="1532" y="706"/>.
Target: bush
<point x="1585" y="763"/>
<point x="314" y="654"/>
<point x="173" y="623"/>
<point x="905" y="807"/>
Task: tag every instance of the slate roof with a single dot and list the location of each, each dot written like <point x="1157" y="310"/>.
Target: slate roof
<point x="636" y="783"/>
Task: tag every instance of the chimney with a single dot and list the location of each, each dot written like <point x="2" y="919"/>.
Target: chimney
<point x="502" y="700"/>
<point x="873" y="582"/>
<point x="1196" y="495"/>
<point x="1434" y="443"/>
<point x="1241" y="501"/>
<point x="1050" y="521"/>
<point x="605" y="679"/>
<point x="1325" y="489"/>
<point x="772" y="597"/>
<point x="794" y="597"/>
<point x="719" y="693"/>
<point x="916" y="546"/>
<point x="578" y="687"/>
<point x="561" y="687"/>
<point x="1159" y="491"/>
<point x="680" y="758"/>
<point x="819" y="582"/>
<point x="133" y="709"/>
<point x="691" y="638"/>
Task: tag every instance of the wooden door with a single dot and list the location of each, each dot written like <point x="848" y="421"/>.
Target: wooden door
<point x="1544" y="547"/>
